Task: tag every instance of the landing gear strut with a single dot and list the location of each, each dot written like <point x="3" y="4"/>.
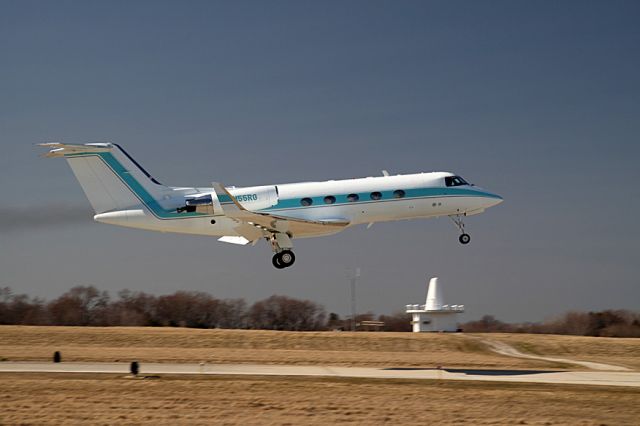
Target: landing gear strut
<point x="283" y="256"/>
<point x="464" y="238"/>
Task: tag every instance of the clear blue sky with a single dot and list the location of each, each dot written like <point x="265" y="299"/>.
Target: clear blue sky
<point x="538" y="101"/>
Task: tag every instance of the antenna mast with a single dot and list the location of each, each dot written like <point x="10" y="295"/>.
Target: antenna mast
<point x="354" y="279"/>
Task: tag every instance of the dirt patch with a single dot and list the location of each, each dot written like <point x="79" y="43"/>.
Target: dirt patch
<point x="503" y="348"/>
<point x="624" y="352"/>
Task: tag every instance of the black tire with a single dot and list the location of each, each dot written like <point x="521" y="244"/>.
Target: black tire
<point x="286" y="258"/>
<point x="276" y="261"/>
<point x="464" y="239"/>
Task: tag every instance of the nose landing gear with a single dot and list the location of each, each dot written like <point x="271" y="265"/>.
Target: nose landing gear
<point x="464" y="238"/>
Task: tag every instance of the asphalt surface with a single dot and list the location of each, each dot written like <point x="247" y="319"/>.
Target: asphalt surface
<point x="599" y="378"/>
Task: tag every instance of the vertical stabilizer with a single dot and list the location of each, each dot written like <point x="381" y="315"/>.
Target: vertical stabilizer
<point x="111" y="179"/>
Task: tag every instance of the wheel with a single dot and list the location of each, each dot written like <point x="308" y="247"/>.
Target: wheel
<point x="464" y="238"/>
<point x="276" y="261"/>
<point x="286" y="258"/>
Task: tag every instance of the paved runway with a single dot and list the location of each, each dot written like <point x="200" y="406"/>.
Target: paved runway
<point x="529" y="376"/>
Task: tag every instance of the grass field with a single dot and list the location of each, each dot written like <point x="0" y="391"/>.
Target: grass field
<point x="107" y="399"/>
<point x="24" y="343"/>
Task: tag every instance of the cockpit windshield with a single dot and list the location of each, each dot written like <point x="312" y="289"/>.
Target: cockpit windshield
<point x="454" y="181"/>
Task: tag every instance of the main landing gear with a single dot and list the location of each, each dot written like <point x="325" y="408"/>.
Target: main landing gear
<point x="464" y="238"/>
<point x="284" y="259"/>
<point x="283" y="256"/>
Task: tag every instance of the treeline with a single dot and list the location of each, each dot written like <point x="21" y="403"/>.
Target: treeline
<point x="88" y="306"/>
<point x="609" y="323"/>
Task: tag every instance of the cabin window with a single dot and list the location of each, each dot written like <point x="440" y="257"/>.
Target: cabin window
<point x="352" y="198"/>
<point x="399" y="193"/>
<point x="376" y="195"/>
<point x="306" y="201"/>
<point x="329" y="199"/>
<point x="454" y="181"/>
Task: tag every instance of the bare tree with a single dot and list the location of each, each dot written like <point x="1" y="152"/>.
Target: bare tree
<point x="232" y="313"/>
<point x="82" y="305"/>
<point x="398" y="321"/>
<point x="576" y="323"/>
<point x="285" y="313"/>
<point x="132" y="308"/>
<point x="487" y="323"/>
<point x="21" y="309"/>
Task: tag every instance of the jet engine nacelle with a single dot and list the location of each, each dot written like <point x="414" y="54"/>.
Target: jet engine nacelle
<point x="252" y="198"/>
<point x="256" y="197"/>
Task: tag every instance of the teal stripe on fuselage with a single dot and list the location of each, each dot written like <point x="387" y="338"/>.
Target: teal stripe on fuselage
<point x="365" y="197"/>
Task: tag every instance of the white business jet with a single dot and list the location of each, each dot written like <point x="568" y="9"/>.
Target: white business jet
<point x="122" y="193"/>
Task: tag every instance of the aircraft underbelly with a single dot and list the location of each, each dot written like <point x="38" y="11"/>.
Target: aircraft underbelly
<point x="142" y="219"/>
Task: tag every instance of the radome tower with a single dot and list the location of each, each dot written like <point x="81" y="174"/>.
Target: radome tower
<point x="434" y="315"/>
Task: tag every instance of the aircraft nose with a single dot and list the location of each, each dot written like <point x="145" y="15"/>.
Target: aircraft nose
<point x="489" y="199"/>
<point x="492" y="200"/>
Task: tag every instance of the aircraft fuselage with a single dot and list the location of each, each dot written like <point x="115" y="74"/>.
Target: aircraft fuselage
<point x="122" y="193"/>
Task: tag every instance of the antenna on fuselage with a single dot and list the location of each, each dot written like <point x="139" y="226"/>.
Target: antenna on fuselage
<point x="385" y="173"/>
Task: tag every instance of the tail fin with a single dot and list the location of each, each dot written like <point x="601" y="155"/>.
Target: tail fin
<point x="111" y="178"/>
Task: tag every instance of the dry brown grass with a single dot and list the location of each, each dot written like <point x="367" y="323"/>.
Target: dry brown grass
<point x="147" y="344"/>
<point x="609" y="350"/>
<point x="107" y="399"/>
<point x="110" y="399"/>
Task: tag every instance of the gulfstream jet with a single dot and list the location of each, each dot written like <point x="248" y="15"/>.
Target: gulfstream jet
<point x="122" y="193"/>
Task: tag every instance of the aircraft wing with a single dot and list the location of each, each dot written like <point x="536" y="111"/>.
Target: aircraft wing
<point x="266" y="223"/>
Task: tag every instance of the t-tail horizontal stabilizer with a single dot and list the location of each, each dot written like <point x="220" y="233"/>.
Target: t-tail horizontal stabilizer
<point x="57" y="149"/>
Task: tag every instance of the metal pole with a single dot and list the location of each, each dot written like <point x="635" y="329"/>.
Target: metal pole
<point x="354" y="278"/>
